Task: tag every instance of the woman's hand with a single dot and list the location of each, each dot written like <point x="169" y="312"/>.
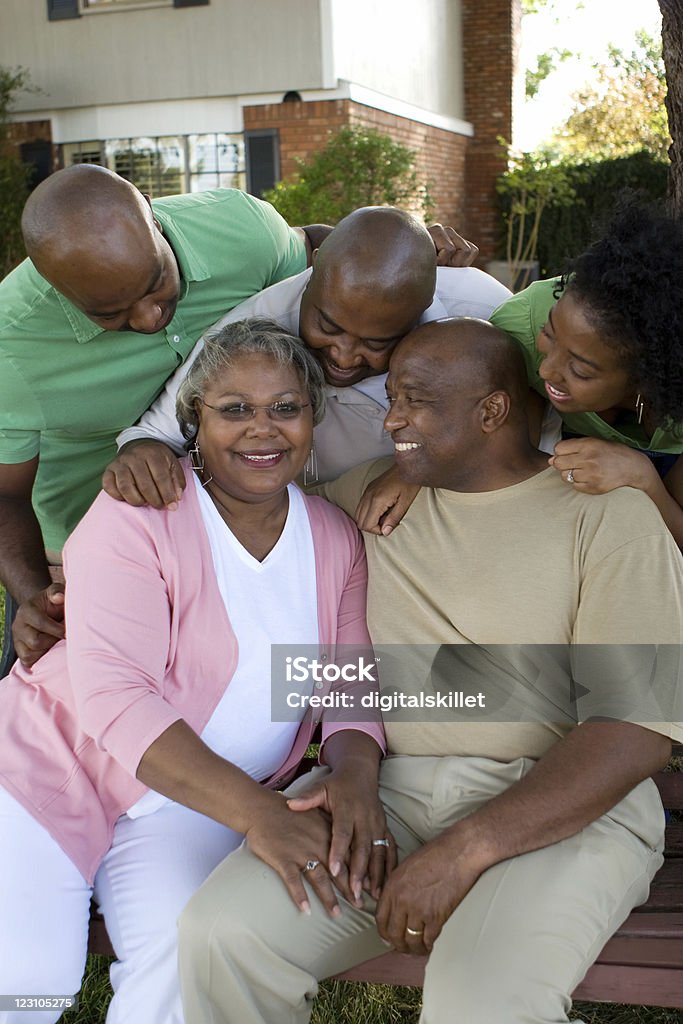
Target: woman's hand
<point x="288" y="842"/>
<point x="599" y="466"/>
<point x="384" y="503"/>
<point x="351" y="800"/>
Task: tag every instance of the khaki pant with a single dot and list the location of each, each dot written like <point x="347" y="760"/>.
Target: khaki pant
<point x="511" y="953"/>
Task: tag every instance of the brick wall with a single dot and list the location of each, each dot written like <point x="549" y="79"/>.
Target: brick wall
<point x="491" y="31"/>
<point x="440" y="157"/>
<point x="32" y="142"/>
<point x="462" y="171"/>
<point x="304" y="127"/>
<point x="29" y="131"/>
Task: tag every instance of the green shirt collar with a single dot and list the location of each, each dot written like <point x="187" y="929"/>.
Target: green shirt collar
<point x="192" y="268"/>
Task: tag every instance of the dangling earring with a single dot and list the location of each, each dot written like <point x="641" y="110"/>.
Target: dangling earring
<point x="311" y="468"/>
<point x="640" y="405"/>
<point x="197" y="462"/>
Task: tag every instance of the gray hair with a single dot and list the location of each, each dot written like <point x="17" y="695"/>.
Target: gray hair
<point x="245" y="337"/>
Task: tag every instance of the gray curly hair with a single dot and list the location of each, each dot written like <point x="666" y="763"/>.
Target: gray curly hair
<point x="245" y="337"/>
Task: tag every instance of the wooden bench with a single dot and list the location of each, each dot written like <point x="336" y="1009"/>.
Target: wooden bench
<point x="641" y="964"/>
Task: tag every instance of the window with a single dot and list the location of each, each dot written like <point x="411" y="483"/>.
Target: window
<point x="89" y="6"/>
<point x="167" y="165"/>
<point x="216" y="161"/>
<point x="57" y="10"/>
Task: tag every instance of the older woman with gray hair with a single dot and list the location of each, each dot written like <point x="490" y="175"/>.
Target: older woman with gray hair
<point x="140" y="752"/>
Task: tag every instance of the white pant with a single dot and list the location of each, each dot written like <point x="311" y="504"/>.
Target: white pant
<point x="154" y="865"/>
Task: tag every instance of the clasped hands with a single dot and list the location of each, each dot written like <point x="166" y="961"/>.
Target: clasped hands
<point x="334" y="823"/>
<point x="331" y="825"/>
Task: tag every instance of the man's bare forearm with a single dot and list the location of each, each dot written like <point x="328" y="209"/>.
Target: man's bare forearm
<point x="579" y="779"/>
<point x="23" y="566"/>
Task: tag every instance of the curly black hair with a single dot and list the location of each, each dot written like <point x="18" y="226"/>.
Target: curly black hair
<point x="630" y="287"/>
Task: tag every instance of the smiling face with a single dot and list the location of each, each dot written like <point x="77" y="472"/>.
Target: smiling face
<point x="129" y="282"/>
<point x="434" y="413"/>
<point x="254" y="460"/>
<point x="352" y="332"/>
<point x="581" y="373"/>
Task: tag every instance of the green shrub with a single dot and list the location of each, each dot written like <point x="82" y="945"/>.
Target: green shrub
<point x="357" y="167"/>
<point x="567" y="229"/>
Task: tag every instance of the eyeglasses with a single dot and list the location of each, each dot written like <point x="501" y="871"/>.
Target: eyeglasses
<point x="240" y="412"/>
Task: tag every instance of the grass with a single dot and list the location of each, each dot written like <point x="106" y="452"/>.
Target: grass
<point x="343" y="1002"/>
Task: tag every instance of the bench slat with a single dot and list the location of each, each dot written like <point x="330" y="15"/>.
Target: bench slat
<point x="643" y="952"/>
<point x="670" y="786"/>
<point x="646" y="986"/>
<point x="666" y="893"/>
<point x="674" y="839"/>
<point x="658" y="925"/>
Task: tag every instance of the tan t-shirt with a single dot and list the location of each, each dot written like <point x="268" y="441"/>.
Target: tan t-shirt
<point x="540" y="565"/>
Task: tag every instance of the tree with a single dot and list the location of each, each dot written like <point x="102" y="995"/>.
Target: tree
<point x="14" y="175"/>
<point x="672" y="48"/>
<point x="623" y="112"/>
<point x="546" y="63"/>
<point x="532" y="184"/>
<point x="357" y="167"/>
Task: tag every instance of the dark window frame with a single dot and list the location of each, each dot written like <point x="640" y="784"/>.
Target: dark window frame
<point x="261" y="133"/>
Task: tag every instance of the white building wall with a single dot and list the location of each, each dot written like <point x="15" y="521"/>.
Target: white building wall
<point x="407" y="49"/>
<point x="150" y="54"/>
<point x="155" y="70"/>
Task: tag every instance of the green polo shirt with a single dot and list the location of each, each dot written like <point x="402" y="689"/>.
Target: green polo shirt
<point x="67" y="387"/>
<point x="522" y="317"/>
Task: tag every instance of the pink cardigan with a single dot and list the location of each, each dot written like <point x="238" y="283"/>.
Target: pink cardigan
<point x="149" y="643"/>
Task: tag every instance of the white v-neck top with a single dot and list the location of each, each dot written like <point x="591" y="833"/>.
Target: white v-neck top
<point x="268" y="602"/>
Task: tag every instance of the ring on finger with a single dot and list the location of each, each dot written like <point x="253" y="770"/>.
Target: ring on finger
<point x="380" y="842"/>
<point x="570" y="476"/>
<point x="311" y="865"/>
<point x="414" y="931"/>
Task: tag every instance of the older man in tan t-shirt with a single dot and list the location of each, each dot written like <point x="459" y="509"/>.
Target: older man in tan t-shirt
<point x="525" y="822"/>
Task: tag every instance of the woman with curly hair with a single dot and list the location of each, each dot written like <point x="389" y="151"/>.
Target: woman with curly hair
<point x="604" y="344"/>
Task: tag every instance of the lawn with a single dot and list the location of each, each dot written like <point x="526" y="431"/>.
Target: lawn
<point x="347" y="1003"/>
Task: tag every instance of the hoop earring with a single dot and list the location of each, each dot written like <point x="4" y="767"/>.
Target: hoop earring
<point x="197" y="462"/>
<point x="311" y="468"/>
<point x="640" y="405"/>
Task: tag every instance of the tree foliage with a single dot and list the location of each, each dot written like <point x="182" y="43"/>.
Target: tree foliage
<point x="14" y="175"/>
<point x="357" y="167"/>
<point x="546" y="63"/>
<point x="567" y="228"/>
<point x="532" y="184"/>
<point x="623" y="111"/>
